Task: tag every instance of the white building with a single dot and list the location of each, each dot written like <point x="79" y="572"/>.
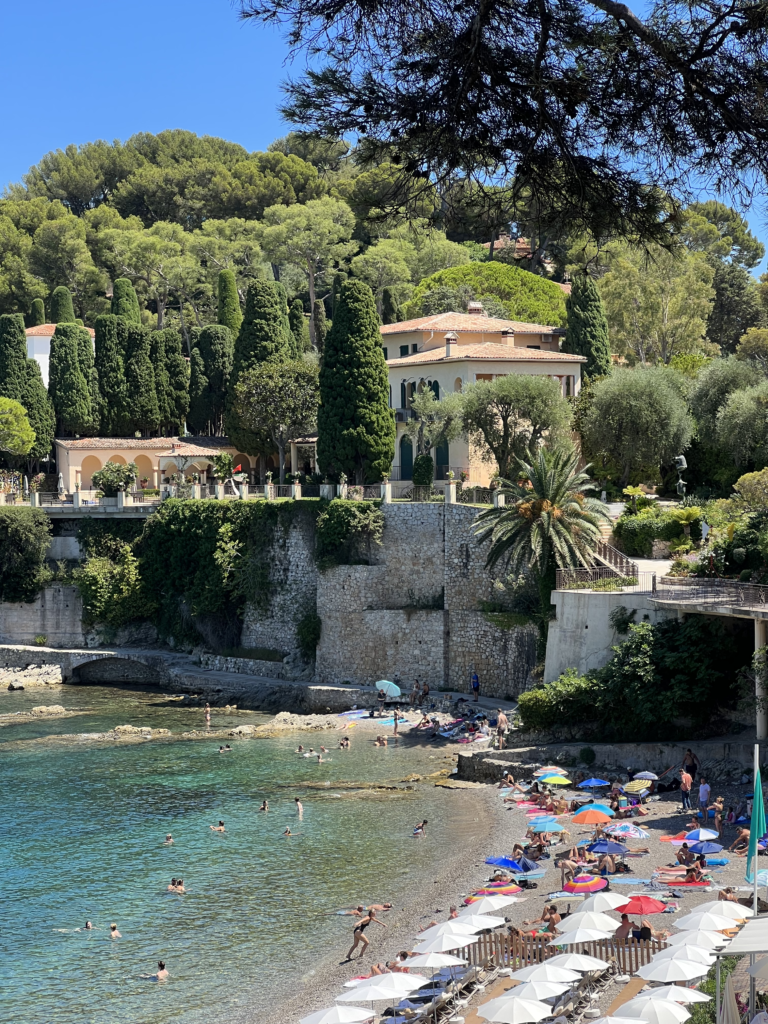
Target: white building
<point x="39" y="345"/>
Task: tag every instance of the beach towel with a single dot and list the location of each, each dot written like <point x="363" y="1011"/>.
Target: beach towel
<point x="668" y="839"/>
<point x="717" y="861"/>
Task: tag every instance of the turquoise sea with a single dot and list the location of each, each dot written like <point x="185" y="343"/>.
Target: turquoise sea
<point x="82" y="830"/>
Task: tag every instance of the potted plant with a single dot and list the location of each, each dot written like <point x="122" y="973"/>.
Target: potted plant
<point x="144" y="481"/>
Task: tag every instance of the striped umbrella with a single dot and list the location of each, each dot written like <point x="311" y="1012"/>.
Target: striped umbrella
<point x="623" y="828"/>
<point x="495" y="890"/>
<point x="585" y="883"/>
<point x="636" y="786"/>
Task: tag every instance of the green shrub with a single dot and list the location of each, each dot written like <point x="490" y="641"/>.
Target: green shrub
<point x="112" y="591"/>
<point x="636" y="532"/>
<point x="423" y="471"/>
<point x="106" y="538"/>
<point x="571" y="698"/>
<point x="113" y="476"/>
<point x="347" y="530"/>
<point x="308" y="634"/>
<point x="587" y="755"/>
<point x="24" y="541"/>
<point x="41" y="640"/>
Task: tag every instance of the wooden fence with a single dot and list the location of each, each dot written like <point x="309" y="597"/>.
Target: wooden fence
<point x="520" y="951"/>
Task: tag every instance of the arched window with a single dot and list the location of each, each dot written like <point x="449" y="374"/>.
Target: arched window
<point x="406" y="458"/>
<point x="457" y="384"/>
<point x="403" y="396"/>
<point x="441" y="462"/>
<point x="436" y="388"/>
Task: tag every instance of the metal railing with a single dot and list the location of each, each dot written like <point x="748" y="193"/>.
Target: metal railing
<point x="474" y="495"/>
<point x="616" y="559"/>
<point x="715" y="592"/>
<point x="363" y="492"/>
<point x="283" y="491"/>
<point x="310" y="490"/>
<point x="602" y="578"/>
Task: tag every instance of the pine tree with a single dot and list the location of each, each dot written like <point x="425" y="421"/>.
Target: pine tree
<point x="157" y="358"/>
<point x="88" y="369"/>
<point x="261" y="339"/>
<point x="230" y="314"/>
<point x="356" y="427"/>
<point x="125" y="302"/>
<point x="40" y="412"/>
<point x="321" y="324"/>
<point x="178" y="381"/>
<point x="199" y="406"/>
<point x="216" y="346"/>
<point x="111" y="341"/>
<point x="141" y="398"/>
<point x="67" y="385"/>
<point x="296" y="320"/>
<point x="13" y="356"/>
<point x="587" y="329"/>
<point x="37" y="313"/>
<point x="62" y="310"/>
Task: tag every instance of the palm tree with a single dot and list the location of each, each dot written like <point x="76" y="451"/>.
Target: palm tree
<point x="547" y="522"/>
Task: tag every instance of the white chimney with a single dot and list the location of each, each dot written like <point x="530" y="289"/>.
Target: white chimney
<point x="451" y="344"/>
<point x="475" y="309"/>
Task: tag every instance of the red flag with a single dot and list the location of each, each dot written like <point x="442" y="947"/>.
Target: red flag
<point x="237" y="469"/>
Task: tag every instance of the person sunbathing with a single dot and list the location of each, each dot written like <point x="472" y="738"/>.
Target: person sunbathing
<point x="549" y="921"/>
<point x="685" y="855"/>
<point x="728" y="895"/>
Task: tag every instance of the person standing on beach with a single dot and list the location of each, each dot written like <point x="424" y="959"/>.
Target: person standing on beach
<point x="208" y="715"/>
<point x="416" y="691"/>
<point x="359" y="933"/>
<point x="299" y="807"/>
<point x="502" y="725"/>
<point x="395" y="716"/>
<point x="476" y="686"/>
<point x="690" y="762"/>
<point x="685" y="789"/>
<point x="704" y="796"/>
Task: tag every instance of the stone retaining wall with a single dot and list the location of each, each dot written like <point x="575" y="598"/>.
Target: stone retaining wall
<point x="56" y="614"/>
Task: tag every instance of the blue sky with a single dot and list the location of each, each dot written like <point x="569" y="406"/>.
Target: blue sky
<point x="84" y="70"/>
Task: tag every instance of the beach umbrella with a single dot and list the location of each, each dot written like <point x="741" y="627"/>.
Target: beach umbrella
<point x="642" y="905"/>
<point x="590" y="919"/>
<point x="593" y="784"/>
<point x="600" y="807"/>
<point x="556" y="780"/>
<point x="585" y="883"/>
<point x="705" y="920"/>
<point x="537" y="990"/>
<point x="445" y="943"/>
<point x="671" y="970"/>
<point x="545" y="972"/>
<point x="626" y="831"/>
<point x="383" y="986"/>
<point x="588" y="816"/>
<point x="609" y="1020"/>
<point x="635" y="786"/>
<point x="550" y="769"/>
<point x="705" y="847"/>
<point x="578" y="962"/>
<point x="434" y="960"/>
<point x="729" y="1011"/>
<point x="676" y="993"/>
<point x="338" y="1015"/>
<point x="390" y="689"/>
<point x="655" y="1011"/>
<point x="578" y="935"/>
<point x="514" y="1011"/>
<point x="603" y="901"/>
<point x="481" y="921"/>
<point x="486" y="905"/>
<point x="649" y="776"/>
<point x="505" y="862"/>
<point x="606" y="846"/>
<point x="734" y="910"/>
<point x="452" y="927"/>
<point x="686" y="952"/>
<point x="707" y="940"/>
<point x="492" y="889"/>
<point x="700" y="834"/>
<point x="549" y="826"/>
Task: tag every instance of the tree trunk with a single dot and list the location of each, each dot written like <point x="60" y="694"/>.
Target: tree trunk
<point x="493" y="242"/>
<point x="160" y="312"/>
<point x="184" y="330"/>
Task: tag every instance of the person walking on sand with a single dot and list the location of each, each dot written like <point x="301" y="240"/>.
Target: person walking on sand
<point x="686" y="782"/>
<point x="299" y="807"/>
<point x="476" y="686"/>
<point x="359" y="933"/>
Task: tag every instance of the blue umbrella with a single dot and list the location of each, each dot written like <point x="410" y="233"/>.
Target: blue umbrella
<point x="506" y="862"/>
<point x="542" y="819"/>
<point x="605" y="846"/>
<point x="549" y="826"/>
<point x="593" y="784"/>
<point x="531" y="865"/>
<point x="390" y="689"/>
<point x="600" y="807"/>
<point x="700" y="834"/>
<point x="705" y="847"/>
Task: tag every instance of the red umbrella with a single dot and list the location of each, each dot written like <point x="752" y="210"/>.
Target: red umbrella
<point x="642" y="905"/>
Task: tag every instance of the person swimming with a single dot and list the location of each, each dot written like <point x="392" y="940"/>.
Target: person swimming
<point x="421" y="828"/>
<point x="113" y="932"/>
<point x="88" y="926"/>
<point x="217" y="828"/>
<point x="172" y="886"/>
<point x="168" y="840"/>
<point x="264" y="806"/>
<point x="300" y="749"/>
<point x="291" y="834"/>
<point x="161" y="971"/>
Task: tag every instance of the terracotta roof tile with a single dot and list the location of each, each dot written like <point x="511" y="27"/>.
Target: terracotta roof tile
<point x="46" y="330"/>
<point x="463" y="322"/>
<point x="200" y="445"/>
<point x="486" y="350"/>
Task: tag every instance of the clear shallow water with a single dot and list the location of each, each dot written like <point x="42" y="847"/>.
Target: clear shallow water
<point x="81" y="836"/>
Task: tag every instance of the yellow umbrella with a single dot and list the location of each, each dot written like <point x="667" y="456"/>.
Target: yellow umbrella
<point x="635" y="786"/>
<point x="556" y="780"/>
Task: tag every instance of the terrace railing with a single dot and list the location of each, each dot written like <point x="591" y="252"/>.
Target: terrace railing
<point x="616" y="559"/>
<point x="605" y="578"/>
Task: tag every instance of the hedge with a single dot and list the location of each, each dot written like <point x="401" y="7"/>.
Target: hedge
<point x="24" y="541"/>
<point x="636" y="532"/>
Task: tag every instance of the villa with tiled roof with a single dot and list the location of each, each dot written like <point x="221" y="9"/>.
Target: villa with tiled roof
<point x="445" y="351"/>
<point x="39" y="345"/>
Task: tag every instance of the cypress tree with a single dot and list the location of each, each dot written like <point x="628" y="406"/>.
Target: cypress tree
<point x="40" y="412"/>
<point x="230" y="314"/>
<point x="67" y="385"/>
<point x="199" y="407"/>
<point x="62" y="310"/>
<point x="338" y="280"/>
<point x="157" y="358"/>
<point x="178" y="381"/>
<point x="296" y="320"/>
<point x="111" y="340"/>
<point x="587" y="328"/>
<point x="390" y="307"/>
<point x="13" y="356"/>
<point x="37" y="313"/>
<point x="290" y="341"/>
<point x="88" y="370"/>
<point x="321" y="324"/>
<point x="356" y="427"/>
<point x="125" y="302"/>
<point x="141" y="398"/>
<point x="216" y="347"/>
